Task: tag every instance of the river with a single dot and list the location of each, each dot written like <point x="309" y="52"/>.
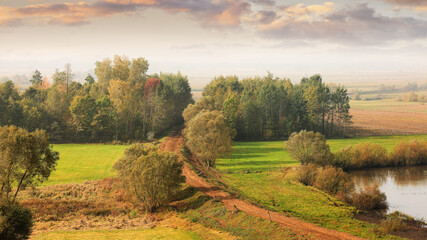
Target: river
<point x="405" y="187"/>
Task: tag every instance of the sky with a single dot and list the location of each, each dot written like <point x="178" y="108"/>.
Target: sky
<point x="345" y="41"/>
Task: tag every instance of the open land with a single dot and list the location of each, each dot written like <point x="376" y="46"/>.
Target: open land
<point x="102" y="210"/>
<point x="388" y="117"/>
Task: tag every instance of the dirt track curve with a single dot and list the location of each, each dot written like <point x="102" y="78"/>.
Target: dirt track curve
<point x="174" y="144"/>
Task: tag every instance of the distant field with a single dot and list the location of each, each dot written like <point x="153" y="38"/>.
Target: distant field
<point x="84" y="162"/>
<point x="261" y="155"/>
<point x="154" y="233"/>
<point x="389" y="117"/>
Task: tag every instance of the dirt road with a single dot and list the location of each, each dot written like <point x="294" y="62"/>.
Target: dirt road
<point x="174" y="144"/>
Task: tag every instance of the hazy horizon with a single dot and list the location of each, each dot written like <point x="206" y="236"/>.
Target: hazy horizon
<point x="345" y="41"/>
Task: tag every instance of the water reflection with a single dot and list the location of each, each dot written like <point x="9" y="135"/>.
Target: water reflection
<point x="405" y="187"/>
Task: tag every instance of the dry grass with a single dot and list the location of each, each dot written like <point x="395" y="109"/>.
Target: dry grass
<point x="100" y="205"/>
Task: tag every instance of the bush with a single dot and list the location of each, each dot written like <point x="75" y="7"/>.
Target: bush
<point x="307" y="174"/>
<point x="334" y="180"/>
<point x="152" y="176"/>
<point x="393" y="223"/>
<point x="309" y="147"/>
<point x="362" y="156"/>
<point x="15" y="222"/>
<point x="410" y="153"/>
<point x="369" y="198"/>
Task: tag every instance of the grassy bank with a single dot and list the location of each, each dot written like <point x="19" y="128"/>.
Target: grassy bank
<point x="277" y="190"/>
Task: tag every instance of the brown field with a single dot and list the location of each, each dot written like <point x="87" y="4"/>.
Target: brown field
<point x="389" y="118"/>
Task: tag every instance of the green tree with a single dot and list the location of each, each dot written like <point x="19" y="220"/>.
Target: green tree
<point x="309" y="147"/>
<point x="150" y="175"/>
<point x="105" y="121"/>
<point x="208" y="136"/>
<point x="26" y="160"/>
<point x="37" y="79"/>
<point x="230" y="109"/>
<point x="89" y="80"/>
<point x="83" y="111"/>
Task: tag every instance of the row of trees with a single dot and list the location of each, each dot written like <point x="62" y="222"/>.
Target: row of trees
<point x="124" y="104"/>
<point x="272" y="108"/>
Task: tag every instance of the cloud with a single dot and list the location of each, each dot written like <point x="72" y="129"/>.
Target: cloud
<point x="357" y="25"/>
<point x="420" y="5"/>
<point x="408" y="2"/>
<point x="221" y="13"/>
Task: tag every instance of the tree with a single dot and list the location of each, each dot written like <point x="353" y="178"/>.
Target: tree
<point x="37" y="79"/>
<point x="205" y="103"/>
<point x="208" y="136"/>
<point x="68" y="76"/>
<point x="26" y="159"/>
<point x="309" y="147"/>
<point x="105" y="121"/>
<point x="103" y="72"/>
<point x="89" y="80"/>
<point x="150" y="175"/>
<point x="83" y="111"/>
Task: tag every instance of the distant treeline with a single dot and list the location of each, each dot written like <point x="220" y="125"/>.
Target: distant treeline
<point x="124" y="104"/>
<point x="271" y="108"/>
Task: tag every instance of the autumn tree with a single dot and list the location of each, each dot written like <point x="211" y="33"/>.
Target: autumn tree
<point x="205" y="103"/>
<point x="208" y="136"/>
<point x="150" y="175"/>
<point x="309" y="147"/>
<point x="26" y="160"/>
<point x="103" y="72"/>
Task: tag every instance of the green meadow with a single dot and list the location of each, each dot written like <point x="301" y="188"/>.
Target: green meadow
<point x="262" y="155"/>
<point x="84" y="162"/>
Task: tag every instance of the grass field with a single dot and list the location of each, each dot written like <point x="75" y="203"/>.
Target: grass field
<point x="277" y="190"/>
<point x="146" y="234"/>
<point x="261" y="155"/>
<point x="84" y="162"/>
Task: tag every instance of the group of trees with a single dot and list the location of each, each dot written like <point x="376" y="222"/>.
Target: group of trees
<point x="272" y="108"/>
<point x="261" y="109"/>
<point x="124" y="104"/>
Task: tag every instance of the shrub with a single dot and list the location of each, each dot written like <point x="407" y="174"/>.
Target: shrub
<point x="410" y="153"/>
<point x="393" y="223"/>
<point x="334" y="180"/>
<point x="309" y="147"/>
<point x="362" y="156"/>
<point x="152" y="176"/>
<point x="369" y="198"/>
<point x="15" y="222"/>
<point x="307" y="174"/>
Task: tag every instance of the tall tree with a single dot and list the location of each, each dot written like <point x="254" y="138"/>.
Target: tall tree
<point x="208" y="136"/>
<point x="83" y="111"/>
<point x="27" y="159"/>
<point x="37" y="79"/>
<point x="68" y="76"/>
<point x="103" y="72"/>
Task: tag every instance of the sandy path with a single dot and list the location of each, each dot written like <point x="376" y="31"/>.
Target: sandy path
<point x="174" y="144"/>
